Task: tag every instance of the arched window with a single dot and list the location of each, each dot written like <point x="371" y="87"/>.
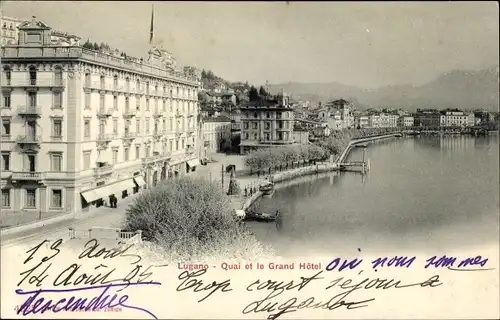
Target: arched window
<point x="102" y="82"/>
<point x="8" y="74"/>
<point x="58" y="75"/>
<point x="115" y="81"/>
<point x="87" y="79"/>
<point x="127" y="83"/>
<point x="32" y="71"/>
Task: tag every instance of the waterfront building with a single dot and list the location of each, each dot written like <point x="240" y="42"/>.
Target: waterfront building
<point x="345" y="108"/>
<point x="456" y="118"/>
<point x="406" y="121"/>
<point x="80" y="125"/>
<point x="362" y="121"/>
<point x="266" y="123"/>
<point x="388" y="120"/>
<point x="427" y="118"/>
<point x="335" y="121"/>
<point x="216" y="135"/>
<point x="374" y="120"/>
<point x="10" y="33"/>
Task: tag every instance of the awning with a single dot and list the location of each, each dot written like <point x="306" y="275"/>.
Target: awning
<point x="90" y="195"/>
<point x="140" y="181"/>
<point x="193" y="163"/>
<point x="127" y="184"/>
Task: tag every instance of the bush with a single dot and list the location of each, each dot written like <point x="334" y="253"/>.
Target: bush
<point x="190" y="218"/>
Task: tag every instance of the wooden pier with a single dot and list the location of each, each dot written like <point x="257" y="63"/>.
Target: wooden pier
<point x="355" y="166"/>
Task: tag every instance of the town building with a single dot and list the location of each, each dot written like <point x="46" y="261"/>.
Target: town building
<point x="235" y="117"/>
<point x="10" y="33"/>
<point x="406" y="121"/>
<point x="79" y="125"/>
<point x="267" y="122"/>
<point x="216" y="135"/>
<point x="361" y="121"/>
<point x="456" y="118"/>
<point x="388" y="120"/>
<point x="427" y="118"/>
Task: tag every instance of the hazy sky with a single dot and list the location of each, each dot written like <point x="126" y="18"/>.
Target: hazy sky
<point x="364" y="44"/>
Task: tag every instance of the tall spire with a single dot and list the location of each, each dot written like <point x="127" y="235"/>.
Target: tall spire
<point x="152" y="29"/>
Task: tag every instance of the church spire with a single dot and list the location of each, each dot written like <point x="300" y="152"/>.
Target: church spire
<point x="152" y="29"/>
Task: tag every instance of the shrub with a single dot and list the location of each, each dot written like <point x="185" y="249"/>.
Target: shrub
<point x="188" y="217"/>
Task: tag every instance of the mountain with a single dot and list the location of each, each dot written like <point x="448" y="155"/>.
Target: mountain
<point x="458" y="89"/>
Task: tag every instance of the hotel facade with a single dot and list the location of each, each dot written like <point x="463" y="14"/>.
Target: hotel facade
<point x="79" y="125"/>
<point x="267" y="123"/>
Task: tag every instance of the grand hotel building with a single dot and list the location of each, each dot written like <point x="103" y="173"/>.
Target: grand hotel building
<point x="80" y="125"/>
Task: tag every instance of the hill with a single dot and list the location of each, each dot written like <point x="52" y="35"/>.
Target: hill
<point x="458" y="89"/>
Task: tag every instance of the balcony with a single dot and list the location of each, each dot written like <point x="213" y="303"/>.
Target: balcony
<point x="29" y="111"/>
<point x="129" y="113"/>
<point x="158" y="134"/>
<point x="129" y="136"/>
<point x="103" y="171"/>
<point x="34" y="83"/>
<point x="27" y="176"/>
<point x="158" y="114"/>
<point x="105" y="137"/>
<point x="103" y="113"/>
<point x="29" y="140"/>
<point x="99" y="86"/>
<point x="156" y="157"/>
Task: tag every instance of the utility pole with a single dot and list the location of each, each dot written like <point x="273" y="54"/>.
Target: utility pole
<point x="222" y="176"/>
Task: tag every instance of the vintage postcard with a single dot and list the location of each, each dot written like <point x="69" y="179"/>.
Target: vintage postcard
<point x="249" y="160"/>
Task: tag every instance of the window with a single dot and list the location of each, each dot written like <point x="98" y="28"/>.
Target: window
<point x="8" y="75"/>
<point x="182" y="143"/>
<point x="147" y="104"/>
<point x="58" y="76"/>
<point x="137" y="104"/>
<point x="86" y="128"/>
<point x="57" y="128"/>
<point x="137" y="152"/>
<point x="171" y="124"/>
<point x="57" y="100"/>
<point x="147" y="125"/>
<point x="268" y="125"/>
<point x="6" y="100"/>
<point x="5" y="162"/>
<point x="170" y="145"/>
<point x="127" y="104"/>
<point x="102" y="82"/>
<point x="32" y="99"/>
<point x="125" y="154"/>
<point x="115" y="102"/>
<point x="164" y="106"/>
<point x="176" y="144"/>
<point x="101" y="102"/>
<point x="56" y="162"/>
<point x="102" y="127"/>
<point x="32" y="71"/>
<point x="5" y="197"/>
<point x="245" y="125"/>
<point x="86" y="160"/>
<point x="30" y="198"/>
<point x="56" y="199"/>
<point x="115" y="82"/>
<point x="115" y="126"/>
<point x="6" y="127"/>
<point x="87" y="101"/>
<point x="115" y="156"/>
<point x="137" y="126"/>
<point x="254" y="125"/>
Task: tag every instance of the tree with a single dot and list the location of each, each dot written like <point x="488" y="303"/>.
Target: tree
<point x="262" y="91"/>
<point x="96" y="46"/>
<point x="88" y="45"/>
<point x="253" y="95"/>
<point x="203" y="74"/>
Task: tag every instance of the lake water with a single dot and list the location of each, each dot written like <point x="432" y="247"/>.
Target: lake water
<point x="426" y="193"/>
